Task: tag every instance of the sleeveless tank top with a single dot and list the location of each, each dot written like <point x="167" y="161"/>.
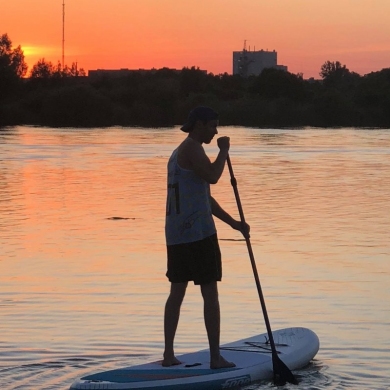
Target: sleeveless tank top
<point x="188" y="209"/>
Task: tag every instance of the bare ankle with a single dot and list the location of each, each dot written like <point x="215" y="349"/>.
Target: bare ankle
<point x="220" y="362"/>
<point x="171" y="361"/>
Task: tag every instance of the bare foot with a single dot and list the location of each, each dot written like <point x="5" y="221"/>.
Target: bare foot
<point x="221" y="363"/>
<point x="168" y="362"/>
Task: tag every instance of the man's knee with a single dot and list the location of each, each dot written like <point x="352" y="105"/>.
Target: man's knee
<point x="209" y="291"/>
<point x="178" y="290"/>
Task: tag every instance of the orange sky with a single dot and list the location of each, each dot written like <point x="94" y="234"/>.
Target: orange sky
<point x="113" y="34"/>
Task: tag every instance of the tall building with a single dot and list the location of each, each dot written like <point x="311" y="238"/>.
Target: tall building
<point x="247" y="63"/>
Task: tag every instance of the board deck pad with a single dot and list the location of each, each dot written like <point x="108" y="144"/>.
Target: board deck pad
<point x="296" y="347"/>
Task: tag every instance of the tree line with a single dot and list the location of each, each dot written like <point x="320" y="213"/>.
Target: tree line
<point x="59" y="96"/>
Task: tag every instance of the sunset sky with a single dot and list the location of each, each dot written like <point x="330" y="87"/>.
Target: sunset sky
<point x="133" y="34"/>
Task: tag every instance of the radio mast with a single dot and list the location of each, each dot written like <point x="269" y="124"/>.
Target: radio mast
<point x="63" y="34"/>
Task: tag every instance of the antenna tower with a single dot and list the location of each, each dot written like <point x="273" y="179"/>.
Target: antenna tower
<point x="63" y="34"/>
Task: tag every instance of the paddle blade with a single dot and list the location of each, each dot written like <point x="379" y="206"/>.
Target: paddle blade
<point x="282" y="373"/>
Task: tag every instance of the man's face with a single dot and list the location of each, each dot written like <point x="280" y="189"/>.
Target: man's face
<point x="210" y="130"/>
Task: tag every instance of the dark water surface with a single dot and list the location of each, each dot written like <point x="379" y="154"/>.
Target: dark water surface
<point x="82" y="291"/>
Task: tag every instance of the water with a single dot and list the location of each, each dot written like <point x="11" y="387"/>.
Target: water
<point x="82" y="291"/>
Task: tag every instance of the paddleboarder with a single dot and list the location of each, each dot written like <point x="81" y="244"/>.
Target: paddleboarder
<point x="193" y="252"/>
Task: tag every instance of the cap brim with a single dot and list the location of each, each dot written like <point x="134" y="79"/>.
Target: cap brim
<point x="186" y="127"/>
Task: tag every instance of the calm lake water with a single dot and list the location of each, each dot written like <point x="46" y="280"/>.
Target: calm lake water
<point x="81" y="292"/>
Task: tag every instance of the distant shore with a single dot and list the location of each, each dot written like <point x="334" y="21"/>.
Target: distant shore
<point x="163" y="98"/>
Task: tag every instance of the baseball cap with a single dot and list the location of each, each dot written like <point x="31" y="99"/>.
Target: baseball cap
<point x="202" y="113"/>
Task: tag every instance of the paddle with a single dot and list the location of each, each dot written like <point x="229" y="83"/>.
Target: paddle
<point x="282" y="373"/>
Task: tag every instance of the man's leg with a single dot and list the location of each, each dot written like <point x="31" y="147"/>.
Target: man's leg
<point x="212" y="322"/>
<point x="171" y="319"/>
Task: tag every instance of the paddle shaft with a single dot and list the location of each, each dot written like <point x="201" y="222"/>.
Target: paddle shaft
<point x="279" y="367"/>
<point x="251" y="256"/>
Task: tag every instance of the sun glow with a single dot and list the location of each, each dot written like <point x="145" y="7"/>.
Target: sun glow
<point x="32" y="50"/>
<point x="33" y="54"/>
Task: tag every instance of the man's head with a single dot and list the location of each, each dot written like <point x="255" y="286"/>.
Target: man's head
<point x="202" y="114"/>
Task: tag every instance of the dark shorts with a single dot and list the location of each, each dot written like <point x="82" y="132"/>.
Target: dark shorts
<point x="199" y="261"/>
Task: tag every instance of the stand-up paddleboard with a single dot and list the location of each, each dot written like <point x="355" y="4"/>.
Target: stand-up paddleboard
<point x="296" y="347"/>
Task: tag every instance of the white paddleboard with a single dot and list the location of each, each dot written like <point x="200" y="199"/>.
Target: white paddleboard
<point x="296" y="347"/>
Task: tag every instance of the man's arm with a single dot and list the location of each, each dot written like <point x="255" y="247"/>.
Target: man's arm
<point x="201" y="164"/>
<point x="221" y="214"/>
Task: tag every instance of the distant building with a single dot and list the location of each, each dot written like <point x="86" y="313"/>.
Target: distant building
<point x="247" y="63"/>
<point x="114" y="73"/>
<point x="120" y="73"/>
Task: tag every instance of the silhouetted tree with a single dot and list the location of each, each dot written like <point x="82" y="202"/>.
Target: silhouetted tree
<point x="192" y="80"/>
<point x="330" y="68"/>
<point x="72" y="71"/>
<point x="42" y="70"/>
<point x="373" y="99"/>
<point x="336" y="74"/>
<point x="12" y="66"/>
<point x="228" y="87"/>
<point x="275" y="83"/>
<point x="45" y="70"/>
<point x="76" y="106"/>
<point x="12" y="58"/>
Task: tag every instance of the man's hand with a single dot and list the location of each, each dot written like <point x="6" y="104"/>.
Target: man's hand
<point x="223" y="143"/>
<point x="244" y="228"/>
